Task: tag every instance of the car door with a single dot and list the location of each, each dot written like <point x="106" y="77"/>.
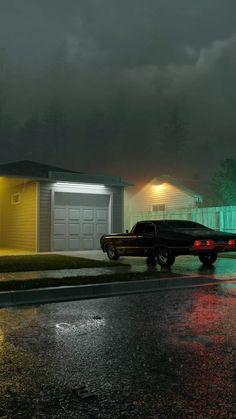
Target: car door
<point x="144" y="239"/>
<point x="131" y="242"/>
<point x="125" y="243"/>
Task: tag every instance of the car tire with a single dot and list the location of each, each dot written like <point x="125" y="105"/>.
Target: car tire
<point x="112" y="252"/>
<point x="164" y="256"/>
<point x="208" y="259"/>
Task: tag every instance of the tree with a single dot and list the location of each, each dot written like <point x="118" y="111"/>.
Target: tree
<point x="7" y="134"/>
<point x="55" y="132"/>
<point x="176" y="127"/>
<point x="223" y="184"/>
<point x="176" y="137"/>
<point x="29" y="138"/>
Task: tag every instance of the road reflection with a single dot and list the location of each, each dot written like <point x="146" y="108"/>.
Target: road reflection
<point x="228" y="288"/>
<point x="207" y="270"/>
<point x="209" y="331"/>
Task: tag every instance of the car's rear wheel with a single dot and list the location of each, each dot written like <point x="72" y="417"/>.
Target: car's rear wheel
<point x="112" y="252"/>
<point x="164" y="256"/>
<point x="208" y="259"/>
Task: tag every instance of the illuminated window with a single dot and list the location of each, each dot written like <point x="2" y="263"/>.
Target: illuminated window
<point x="15" y="198"/>
<point x="158" y="207"/>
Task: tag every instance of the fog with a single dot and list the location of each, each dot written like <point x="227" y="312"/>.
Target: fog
<point x="131" y="87"/>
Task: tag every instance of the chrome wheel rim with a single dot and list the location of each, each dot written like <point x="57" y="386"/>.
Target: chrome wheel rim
<point x="163" y="256"/>
<point x="111" y="251"/>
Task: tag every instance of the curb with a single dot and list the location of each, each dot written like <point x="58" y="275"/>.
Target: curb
<point x="81" y="292"/>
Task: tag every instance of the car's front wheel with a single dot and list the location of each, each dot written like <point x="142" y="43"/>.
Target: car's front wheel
<point x="112" y="252"/>
<point x="164" y="256"/>
<point x="208" y="259"/>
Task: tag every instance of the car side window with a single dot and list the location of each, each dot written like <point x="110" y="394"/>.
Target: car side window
<point x="149" y="228"/>
<point x="163" y="228"/>
<point x="139" y="228"/>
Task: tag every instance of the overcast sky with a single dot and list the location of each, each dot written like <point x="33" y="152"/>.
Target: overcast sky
<point x="136" y="88"/>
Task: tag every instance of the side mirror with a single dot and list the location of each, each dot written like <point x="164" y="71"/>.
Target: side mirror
<point x="126" y="231"/>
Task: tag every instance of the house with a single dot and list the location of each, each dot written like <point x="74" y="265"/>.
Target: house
<point x="45" y="208"/>
<point x="163" y="193"/>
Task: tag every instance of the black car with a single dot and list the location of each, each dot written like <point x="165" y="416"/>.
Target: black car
<point x="163" y="240"/>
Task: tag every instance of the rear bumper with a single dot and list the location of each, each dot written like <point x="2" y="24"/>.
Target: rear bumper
<point x="198" y="250"/>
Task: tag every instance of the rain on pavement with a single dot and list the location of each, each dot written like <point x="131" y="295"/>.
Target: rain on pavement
<point x="168" y="355"/>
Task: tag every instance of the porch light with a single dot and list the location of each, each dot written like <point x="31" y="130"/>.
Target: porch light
<point x="80" y="185"/>
<point x="159" y="186"/>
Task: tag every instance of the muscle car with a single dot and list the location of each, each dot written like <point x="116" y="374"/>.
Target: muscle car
<point x="162" y="240"/>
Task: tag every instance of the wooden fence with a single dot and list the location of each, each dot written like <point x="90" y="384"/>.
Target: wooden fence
<point x="219" y="218"/>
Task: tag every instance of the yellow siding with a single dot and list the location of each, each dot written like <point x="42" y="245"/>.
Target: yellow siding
<point x="19" y="221"/>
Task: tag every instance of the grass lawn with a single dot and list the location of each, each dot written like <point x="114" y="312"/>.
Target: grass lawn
<point x="24" y="284"/>
<point x="23" y="263"/>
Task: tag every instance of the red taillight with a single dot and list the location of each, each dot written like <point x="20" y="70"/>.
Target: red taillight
<point x="231" y="242"/>
<point x="197" y="243"/>
<point x="210" y="242"/>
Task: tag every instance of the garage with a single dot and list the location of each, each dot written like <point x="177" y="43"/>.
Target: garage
<point x="46" y="208"/>
<point x="79" y="220"/>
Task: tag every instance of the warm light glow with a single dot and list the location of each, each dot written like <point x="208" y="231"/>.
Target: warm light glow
<point x="231" y="242"/>
<point x="210" y="242"/>
<point x="160" y="186"/>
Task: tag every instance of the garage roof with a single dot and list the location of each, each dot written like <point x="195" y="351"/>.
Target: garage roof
<point x="31" y="169"/>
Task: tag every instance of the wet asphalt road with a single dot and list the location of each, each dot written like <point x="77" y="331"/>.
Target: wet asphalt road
<point x="169" y="354"/>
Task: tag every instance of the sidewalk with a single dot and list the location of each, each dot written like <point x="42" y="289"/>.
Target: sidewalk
<point x="60" y="273"/>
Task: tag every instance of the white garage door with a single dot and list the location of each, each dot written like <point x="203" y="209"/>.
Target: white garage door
<point x="78" y="226"/>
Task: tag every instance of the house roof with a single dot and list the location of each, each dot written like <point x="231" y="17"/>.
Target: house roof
<point x="180" y="185"/>
<point x="31" y="169"/>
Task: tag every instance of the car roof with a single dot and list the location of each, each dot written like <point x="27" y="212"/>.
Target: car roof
<point x="163" y="221"/>
<point x="168" y="221"/>
<point x="174" y="223"/>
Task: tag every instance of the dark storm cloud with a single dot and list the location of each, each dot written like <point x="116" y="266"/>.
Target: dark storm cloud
<point x="119" y="71"/>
